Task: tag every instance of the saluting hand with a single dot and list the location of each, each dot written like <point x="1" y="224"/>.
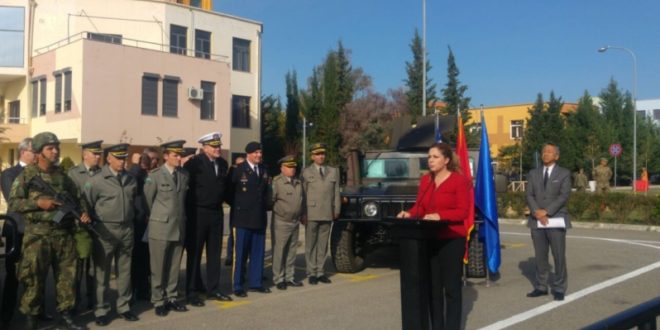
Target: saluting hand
<point x="47" y="203"/>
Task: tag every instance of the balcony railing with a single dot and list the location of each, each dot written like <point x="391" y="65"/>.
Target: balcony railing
<point x="14" y="120"/>
<point x="128" y="42"/>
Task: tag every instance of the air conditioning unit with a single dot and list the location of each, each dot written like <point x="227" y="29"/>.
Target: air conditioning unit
<point x="195" y="93"/>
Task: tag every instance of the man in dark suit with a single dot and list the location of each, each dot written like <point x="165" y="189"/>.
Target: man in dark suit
<point x="250" y="186"/>
<point x="26" y="157"/>
<point x="207" y="181"/>
<point x="547" y="196"/>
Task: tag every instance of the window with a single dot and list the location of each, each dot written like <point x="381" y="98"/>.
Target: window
<point x="170" y="96"/>
<point x="516" y="129"/>
<point x="67" y="90"/>
<point x="385" y="168"/>
<point x="42" y="99"/>
<point x="12" y="23"/>
<point x="656" y="114"/>
<point x="150" y="94"/>
<point x="240" y="111"/>
<point x="241" y="60"/>
<point x="178" y="42"/>
<point x="202" y="44"/>
<point x="104" y="37"/>
<point x="35" y="98"/>
<point x="208" y="102"/>
<point x="14" y="112"/>
<point x="58" y="92"/>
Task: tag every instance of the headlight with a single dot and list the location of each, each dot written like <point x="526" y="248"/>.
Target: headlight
<point x="370" y="209"/>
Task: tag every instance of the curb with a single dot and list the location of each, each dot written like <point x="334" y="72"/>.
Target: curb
<point x="591" y="225"/>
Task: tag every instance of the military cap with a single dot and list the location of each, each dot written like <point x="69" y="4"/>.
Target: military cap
<point x="189" y="151"/>
<point x="252" y="147"/>
<point x="94" y="146"/>
<point x="288" y="161"/>
<point x="118" y="150"/>
<point x="212" y="139"/>
<point x="173" y="146"/>
<point x="42" y="139"/>
<point x="318" y="148"/>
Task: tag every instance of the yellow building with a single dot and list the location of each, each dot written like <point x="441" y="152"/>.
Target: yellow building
<point x="506" y="123"/>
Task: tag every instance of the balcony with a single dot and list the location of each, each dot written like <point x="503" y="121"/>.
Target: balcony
<point x="14" y="129"/>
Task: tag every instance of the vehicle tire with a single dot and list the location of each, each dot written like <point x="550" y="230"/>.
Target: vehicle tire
<point x="343" y="248"/>
<point x="476" y="266"/>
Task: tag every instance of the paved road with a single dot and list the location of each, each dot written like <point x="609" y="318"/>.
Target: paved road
<point x="609" y="271"/>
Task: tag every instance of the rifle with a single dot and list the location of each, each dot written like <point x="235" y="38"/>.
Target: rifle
<point x="67" y="206"/>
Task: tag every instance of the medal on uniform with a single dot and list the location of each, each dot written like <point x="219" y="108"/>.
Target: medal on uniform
<point x="244" y="181"/>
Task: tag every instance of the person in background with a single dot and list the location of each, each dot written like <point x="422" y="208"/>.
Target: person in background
<point x="230" y="240"/>
<point x="443" y="196"/>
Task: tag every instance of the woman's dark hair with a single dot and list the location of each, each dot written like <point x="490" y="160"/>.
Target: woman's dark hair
<point x="446" y="152"/>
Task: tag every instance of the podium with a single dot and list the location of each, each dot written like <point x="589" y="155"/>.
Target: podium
<point x="414" y="236"/>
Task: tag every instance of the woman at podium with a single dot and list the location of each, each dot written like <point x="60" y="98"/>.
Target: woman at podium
<point x="443" y="195"/>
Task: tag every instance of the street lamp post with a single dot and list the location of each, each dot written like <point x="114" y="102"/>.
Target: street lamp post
<point x="634" y="92"/>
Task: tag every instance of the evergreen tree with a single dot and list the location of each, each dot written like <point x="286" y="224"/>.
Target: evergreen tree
<point x="585" y="138"/>
<point x="327" y="128"/>
<point x="545" y="125"/>
<point x="415" y="80"/>
<point x="271" y="122"/>
<point x="292" y="142"/>
<point x="345" y="80"/>
<point x="453" y="95"/>
<point x="617" y="109"/>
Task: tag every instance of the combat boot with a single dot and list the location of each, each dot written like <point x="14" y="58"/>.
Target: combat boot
<point x="31" y="322"/>
<point x="66" y="323"/>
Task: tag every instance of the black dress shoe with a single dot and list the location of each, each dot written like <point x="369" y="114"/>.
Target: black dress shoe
<point x="128" y="316"/>
<point x="260" y="290"/>
<point x="66" y="322"/>
<point x="175" y="306"/>
<point x="240" y="293"/>
<point x="220" y="296"/>
<point x="194" y="301"/>
<point x="45" y="317"/>
<point x="161" y="310"/>
<point x="294" y="283"/>
<point x="281" y="286"/>
<point x="31" y="323"/>
<point x="559" y="296"/>
<point x="228" y="262"/>
<point x="313" y="280"/>
<point x="537" y="293"/>
<point x="102" y="321"/>
<point x="324" y="279"/>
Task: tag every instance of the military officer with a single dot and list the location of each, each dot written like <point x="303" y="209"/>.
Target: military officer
<point x="287" y="211"/>
<point x="46" y="243"/>
<point x="111" y="195"/>
<point x="230" y="239"/>
<point x="602" y="174"/>
<point x="165" y="192"/>
<point x="207" y="180"/>
<point x="91" y="156"/>
<point x="321" y="186"/>
<point x="581" y="181"/>
<point x="249" y="183"/>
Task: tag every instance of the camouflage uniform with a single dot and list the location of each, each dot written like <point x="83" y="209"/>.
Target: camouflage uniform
<point x="581" y="181"/>
<point x="602" y="174"/>
<point x="45" y="243"/>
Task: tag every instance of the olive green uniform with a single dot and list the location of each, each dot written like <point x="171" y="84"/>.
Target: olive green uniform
<point x="45" y="243"/>
<point x="287" y="201"/>
<point x="112" y="201"/>
<point x="602" y="174"/>
<point x="581" y="182"/>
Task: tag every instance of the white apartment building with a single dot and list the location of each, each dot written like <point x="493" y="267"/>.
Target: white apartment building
<point x="136" y="71"/>
<point x="650" y="108"/>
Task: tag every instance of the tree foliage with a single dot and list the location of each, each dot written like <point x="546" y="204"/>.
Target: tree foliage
<point x="292" y="141"/>
<point x="544" y="125"/>
<point x="453" y="95"/>
<point x="415" y="80"/>
<point x="272" y="122"/>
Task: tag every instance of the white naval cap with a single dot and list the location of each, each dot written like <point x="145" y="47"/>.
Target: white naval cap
<point x="212" y="139"/>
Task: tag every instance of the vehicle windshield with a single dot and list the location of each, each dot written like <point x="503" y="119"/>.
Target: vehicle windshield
<point x="390" y="168"/>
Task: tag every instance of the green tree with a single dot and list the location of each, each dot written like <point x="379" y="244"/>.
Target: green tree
<point x="271" y="123"/>
<point x="453" y="95"/>
<point x="584" y="140"/>
<point x="544" y="125"/>
<point x="414" y="82"/>
<point x="293" y="123"/>
<point x="617" y="109"/>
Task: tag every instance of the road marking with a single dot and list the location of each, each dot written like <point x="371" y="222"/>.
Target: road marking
<point x="579" y="294"/>
<point x="358" y="277"/>
<point x="231" y="304"/>
<point x="513" y="245"/>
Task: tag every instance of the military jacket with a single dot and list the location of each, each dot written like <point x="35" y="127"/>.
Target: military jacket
<point x="250" y="200"/>
<point x="321" y="192"/>
<point x="288" y="198"/>
<point x="23" y="197"/>
<point x="165" y="201"/>
<point x="109" y="200"/>
<point x="207" y="189"/>
<point x="79" y="174"/>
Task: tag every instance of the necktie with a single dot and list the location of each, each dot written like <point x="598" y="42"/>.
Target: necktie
<point x="119" y="178"/>
<point x="174" y="176"/>
<point x="256" y="170"/>
<point x="215" y="166"/>
<point x="545" y="178"/>
<point x="321" y="172"/>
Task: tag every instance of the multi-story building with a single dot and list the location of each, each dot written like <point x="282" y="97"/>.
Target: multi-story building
<point x="136" y="71"/>
<point x="650" y="108"/>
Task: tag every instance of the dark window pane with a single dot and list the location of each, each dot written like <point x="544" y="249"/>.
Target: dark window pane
<point x="170" y="97"/>
<point x="202" y="44"/>
<point x="149" y="96"/>
<point x="240" y="111"/>
<point x="15" y="112"/>
<point x="208" y="103"/>
<point x="110" y="38"/>
<point x="42" y="99"/>
<point x="35" y="99"/>
<point x="58" y="93"/>
<point x="241" y="59"/>
<point x="67" y="91"/>
<point x="178" y="42"/>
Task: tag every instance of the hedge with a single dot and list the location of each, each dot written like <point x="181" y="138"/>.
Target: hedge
<point x="609" y="208"/>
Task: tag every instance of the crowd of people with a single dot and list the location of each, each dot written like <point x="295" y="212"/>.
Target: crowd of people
<point x="137" y="219"/>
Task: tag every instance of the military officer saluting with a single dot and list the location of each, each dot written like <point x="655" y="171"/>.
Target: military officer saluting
<point x="321" y="186"/>
<point x="46" y="243"/>
<point x="91" y="156"/>
<point x="288" y="199"/>
<point x="165" y="193"/>
<point x="249" y="182"/>
<point x="111" y="196"/>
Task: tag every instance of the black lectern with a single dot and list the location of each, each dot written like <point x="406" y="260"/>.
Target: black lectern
<point x="414" y="236"/>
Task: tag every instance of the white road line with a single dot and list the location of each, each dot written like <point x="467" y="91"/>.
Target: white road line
<point x="579" y="294"/>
